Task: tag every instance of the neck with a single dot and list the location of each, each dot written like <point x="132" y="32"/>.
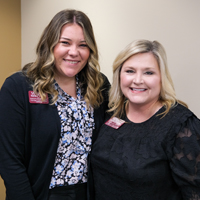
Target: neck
<point x="68" y="85"/>
<point x="138" y="114"/>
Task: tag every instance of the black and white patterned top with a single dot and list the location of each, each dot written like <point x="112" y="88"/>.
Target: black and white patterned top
<point x="77" y="124"/>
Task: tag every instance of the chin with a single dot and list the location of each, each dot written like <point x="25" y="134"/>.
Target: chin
<point x="70" y="75"/>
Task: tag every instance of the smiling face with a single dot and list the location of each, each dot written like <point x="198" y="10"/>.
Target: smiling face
<point x="71" y="52"/>
<point x="140" y="80"/>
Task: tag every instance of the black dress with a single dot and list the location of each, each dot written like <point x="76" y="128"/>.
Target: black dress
<point x="158" y="159"/>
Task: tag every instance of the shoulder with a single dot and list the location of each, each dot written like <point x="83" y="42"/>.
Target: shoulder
<point x="104" y="77"/>
<point x="17" y="79"/>
<point x="180" y="112"/>
<point x="105" y="86"/>
<point x="105" y="80"/>
<point x="178" y="116"/>
<point x="17" y="76"/>
<point x="181" y="118"/>
<point x="15" y="86"/>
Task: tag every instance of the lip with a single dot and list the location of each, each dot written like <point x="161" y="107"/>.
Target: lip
<point x="71" y="61"/>
<point x="138" y="89"/>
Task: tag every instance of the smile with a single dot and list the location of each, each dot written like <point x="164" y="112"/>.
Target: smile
<point x="71" y="62"/>
<point x="137" y="89"/>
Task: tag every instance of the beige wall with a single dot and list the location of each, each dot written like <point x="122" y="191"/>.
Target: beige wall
<point x="10" y="37"/>
<point x="118" y="22"/>
<point x="10" y="42"/>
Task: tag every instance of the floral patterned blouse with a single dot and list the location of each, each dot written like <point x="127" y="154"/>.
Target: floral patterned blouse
<point x="77" y="124"/>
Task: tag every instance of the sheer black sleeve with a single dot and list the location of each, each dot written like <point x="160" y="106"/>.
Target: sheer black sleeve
<point x="185" y="158"/>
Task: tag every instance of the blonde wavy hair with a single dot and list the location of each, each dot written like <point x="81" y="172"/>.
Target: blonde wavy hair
<point x="41" y="72"/>
<point x="117" y="101"/>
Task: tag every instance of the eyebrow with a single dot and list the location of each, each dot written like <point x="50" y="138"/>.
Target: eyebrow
<point x="142" y="67"/>
<point x="145" y="68"/>
<point x="70" y="39"/>
<point x="148" y="68"/>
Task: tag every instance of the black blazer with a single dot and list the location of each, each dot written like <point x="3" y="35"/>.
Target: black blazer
<point x="29" y="136"/>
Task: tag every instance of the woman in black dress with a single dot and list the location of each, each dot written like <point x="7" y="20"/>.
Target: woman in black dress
<point x="149" y="149"/>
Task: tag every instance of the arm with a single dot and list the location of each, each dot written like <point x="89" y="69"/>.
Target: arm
<point x="185" y="162"/>
<point x="99" y="116"/>
<point x="12" y="141"/>
<point x="100" y="112"/>
<point x="105" y="87"/>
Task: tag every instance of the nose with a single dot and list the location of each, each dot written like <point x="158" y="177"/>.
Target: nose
<point x="138" y="78"/>
<point x="73" y="50"/>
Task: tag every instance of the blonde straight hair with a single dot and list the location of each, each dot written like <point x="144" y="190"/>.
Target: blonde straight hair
<point x="117" y="100"/>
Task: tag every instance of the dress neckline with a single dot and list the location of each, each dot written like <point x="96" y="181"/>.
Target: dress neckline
<point x="156" y="114"/>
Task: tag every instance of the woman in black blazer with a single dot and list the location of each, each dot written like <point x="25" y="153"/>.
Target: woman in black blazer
<point x="49" y="113"/>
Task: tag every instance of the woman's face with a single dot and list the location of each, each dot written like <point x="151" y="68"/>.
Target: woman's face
<point x="140" y="79"/>
<point x="71" y="52"/>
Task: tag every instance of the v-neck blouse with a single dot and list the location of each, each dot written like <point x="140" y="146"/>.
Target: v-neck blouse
<point x="77" y="124"/>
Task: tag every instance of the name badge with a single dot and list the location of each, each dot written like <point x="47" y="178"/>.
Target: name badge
<point x="34" y="98"/>
<point x="115" y="122"/>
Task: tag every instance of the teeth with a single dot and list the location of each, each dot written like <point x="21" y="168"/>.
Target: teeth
<point x="134" y="89"/>
<point x="72" y="62"/>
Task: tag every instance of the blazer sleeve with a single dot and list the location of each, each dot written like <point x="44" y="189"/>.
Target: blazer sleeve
<point x="12" y="141"/>
<point x="99" y="117"/>
<point x="100" y="112"/>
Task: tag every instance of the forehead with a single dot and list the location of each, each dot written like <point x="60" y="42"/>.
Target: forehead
<point x="72" y="29"/>
<point x="146" y="60"/>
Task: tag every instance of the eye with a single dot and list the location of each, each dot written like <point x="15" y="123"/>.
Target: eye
<point x="64" y="42"/>
<point x="130" y="71"/>
<point x="83" y="45"/>
<point x="149" y="73"/>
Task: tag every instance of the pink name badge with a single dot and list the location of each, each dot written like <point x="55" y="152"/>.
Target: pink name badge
<point x="33" y="98"/>
<point x="115" y="122"/>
